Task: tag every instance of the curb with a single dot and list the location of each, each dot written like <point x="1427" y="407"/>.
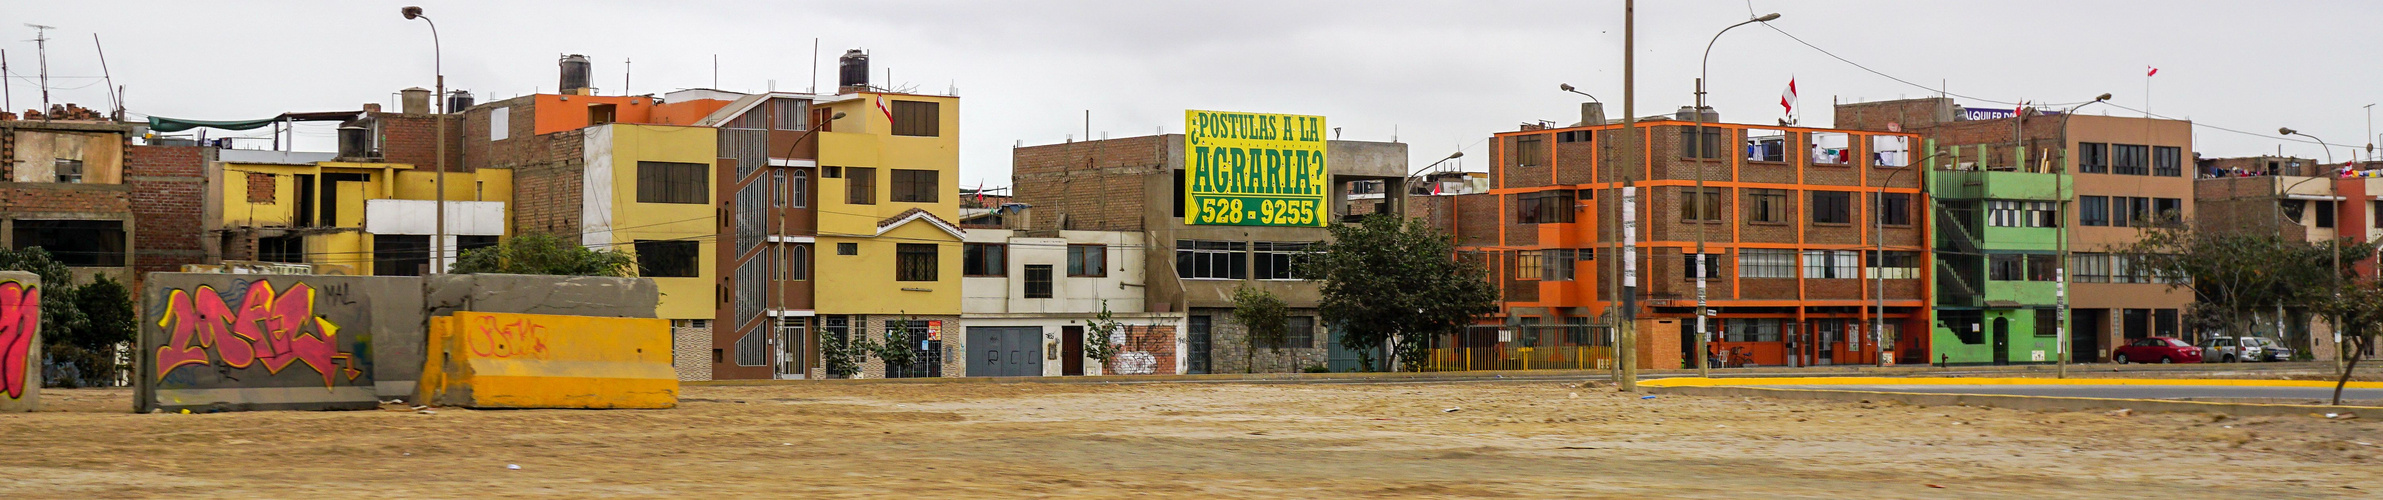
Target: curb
<point x="1646" y="376"/>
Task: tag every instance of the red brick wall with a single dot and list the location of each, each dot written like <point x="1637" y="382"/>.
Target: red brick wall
<point x="1156" y="341"/>
<point x="168" y="197"/>
<point x="1098" y="184"/>
<point x="547" y="182"/>
<point x="413" y="139"/>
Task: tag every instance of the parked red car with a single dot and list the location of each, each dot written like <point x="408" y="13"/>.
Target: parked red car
<point x="2157" y="350"/>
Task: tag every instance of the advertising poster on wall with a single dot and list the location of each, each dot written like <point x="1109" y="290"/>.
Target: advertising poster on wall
<point x="1254" y="169"/>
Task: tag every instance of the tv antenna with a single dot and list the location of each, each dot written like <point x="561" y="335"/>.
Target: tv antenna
<point x="41" y="45"/>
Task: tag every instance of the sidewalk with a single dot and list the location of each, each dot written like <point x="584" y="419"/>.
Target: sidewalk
<point x="1536" y="375"/>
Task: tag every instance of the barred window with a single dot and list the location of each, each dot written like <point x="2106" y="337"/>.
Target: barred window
<point x="915" y="262"/>
<point x="1766" y="263"/>
<point x="1038" y="281"/>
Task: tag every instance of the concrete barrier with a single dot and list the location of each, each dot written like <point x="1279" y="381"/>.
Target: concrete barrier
<point x="504" y="360"/>
<point x="216" y="342"/>
<point x="20" y="341"/>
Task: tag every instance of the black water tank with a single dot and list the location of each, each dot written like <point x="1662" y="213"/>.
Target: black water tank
<point x="853" y="69"/>
<point x="459" y="100"/>
<point x="575" y="73"/>
<point x="355" y="140"/>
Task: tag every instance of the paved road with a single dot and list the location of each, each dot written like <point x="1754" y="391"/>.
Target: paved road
<point x="2118" y="391"/>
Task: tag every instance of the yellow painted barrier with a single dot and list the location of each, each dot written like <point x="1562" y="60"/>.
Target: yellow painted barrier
<point x="500" y="360"/>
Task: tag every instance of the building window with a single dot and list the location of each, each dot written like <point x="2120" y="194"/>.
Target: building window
<point x="798" y="262"/>
<point x="1279" y="261"/>
<point x="915" y="262"/>
<point x="914" y="186"/>
<point x="2047" y="322"/>
<point x="1575" y="136"/>
<point x="1766" y="263"/>
<point x="2093" y="210"/>
<point x="2043" y="215"/>
<point x="1751" y="329"/>
<point x="1832" y="264"/>
<point x="77" y="243"/>
<point x="778" y="188"/>
<point x="263" y="187"/>
<point x="2006" y="267"/>
<point x="790" y="114"/>
<point x="1038" y="281"/>
<point x="2129" y="159"/>
<point x="2167" y="161"/>
<point x="1766" y="145"/>
<point x="798" y="190"/>
<point x="2324" y="213"/>
<point x="2042" y="267"/>
<point x="1766" y="205"/>
<point x="68" y="171"/>
<point x="1205" y="260"/>
<point x="1709" y="148"/>
<point x="848" y="249"/>
<point x="2089" y="268"/>
<point x="500" y="123"/>
<point x="1832" y="148"/>
<point x="917" y="118"/>
<point x="392" y="254"/>
<point x="1893" y="265"/>
<point x="668" y="258"/>
<point x="1890" y="151"/>
<point x="860" y="185"/>
<point x="1299" y="332"/>
<point x="1559" y="264"/>
<point x="672" y="182"/>
<point x="984" y="259"/>
<point x="1712" y="264"/>
<point x="1530" y="150"/>
<point x="1090" y="261"/>
<point x="1832" y="207"/>
<point x="2172" y="210"/>
<point x="2093" y="158"/>
<point x="1529" y="265"/>
<point x="1704" y="207"/>
<point x="1544" y="207"/>
<point x="2003" y="213"/>
<point x="2137" y="213"/>
<point x="1894" y="209"/>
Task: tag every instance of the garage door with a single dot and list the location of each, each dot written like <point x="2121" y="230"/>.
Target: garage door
<point x="1005" y="351"/>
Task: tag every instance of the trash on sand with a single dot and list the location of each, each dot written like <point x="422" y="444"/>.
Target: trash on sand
<point x="513" y="466"/>
<point x="1451" y="410"/>
<point x="1649" y="396"/>
<point x="426" y="412"/>
<point x="1935" y="486"/>
<point x="2121" y="412"/>
<point x="1575" y="395"/>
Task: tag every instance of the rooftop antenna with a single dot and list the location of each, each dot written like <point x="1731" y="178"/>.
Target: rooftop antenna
<point x="7" y="99"/>
<point x="113" y="99"/>
<point x="625" y="75"/>
<point x="814" y="88"/>
<point x="715" y="72"/>
<point x="41" y="46"/>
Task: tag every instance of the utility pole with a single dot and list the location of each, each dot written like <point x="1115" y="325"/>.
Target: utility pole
<point x="41" y="50"/>
<point x="1626" y="352"/>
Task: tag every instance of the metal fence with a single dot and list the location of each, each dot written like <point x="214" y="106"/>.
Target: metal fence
<point x="1558" y="347"/>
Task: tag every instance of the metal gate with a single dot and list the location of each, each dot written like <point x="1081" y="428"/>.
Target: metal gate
<point x="926" y="355"/>
<point x="1005" y="351"/>
<point x="1196" y="342"/>
<point x="1348" y="360"/>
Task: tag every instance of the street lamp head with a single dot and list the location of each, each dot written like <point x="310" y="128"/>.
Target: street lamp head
<point x="2286" y="131"/>
<point x="839" y="116"/>
<point x="1455" y="155"/>
<point x="1564" y="87"/>
<point x="1767" y="17"/>
<point x="2104" y="97"/>
<point x="410" y="12"/>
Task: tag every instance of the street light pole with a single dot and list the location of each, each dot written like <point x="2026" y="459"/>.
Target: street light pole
<point x="2334" y="248"/>
<point x="438" y="239"/>
<point x="1625" y="341"/>
<point x="1700" y="200"/>
<point x="2060" y="273"/>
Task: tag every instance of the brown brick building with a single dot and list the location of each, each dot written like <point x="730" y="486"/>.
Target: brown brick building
<point x="64" y="187"/>
<point x="1791" y="239"/>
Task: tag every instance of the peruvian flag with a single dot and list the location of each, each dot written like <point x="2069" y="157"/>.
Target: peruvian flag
<point x="2150" y="71"/>
<point x="1787" y="100"/>
<point x="889" y="113"/>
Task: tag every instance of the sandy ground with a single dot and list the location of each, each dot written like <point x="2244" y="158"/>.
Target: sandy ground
<point x="1515" y="439"/>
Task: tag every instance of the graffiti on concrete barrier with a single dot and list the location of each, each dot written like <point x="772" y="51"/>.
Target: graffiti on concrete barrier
<point x="521" y="337"/>
<point x="20" y="316"/>
<point x="275" y="330"/>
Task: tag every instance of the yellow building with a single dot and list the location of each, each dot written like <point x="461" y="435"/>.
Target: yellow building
<point x="886" y="196"/>
<point x="648" y="190"/>
<point x="364" y="218"/>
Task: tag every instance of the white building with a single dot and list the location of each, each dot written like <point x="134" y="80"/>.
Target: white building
<point x="1027" y="298"/>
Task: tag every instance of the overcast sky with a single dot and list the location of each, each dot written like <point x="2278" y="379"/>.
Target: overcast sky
<point x="1440" y="76"/>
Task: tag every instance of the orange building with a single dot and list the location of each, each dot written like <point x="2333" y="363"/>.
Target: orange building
<point x="1803" y="227"/>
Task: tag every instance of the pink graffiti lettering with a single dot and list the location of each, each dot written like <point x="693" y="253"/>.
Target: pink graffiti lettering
<point x="269" y="329"/>
<point x="492" y="339"/>
<point x="20" y="315"/>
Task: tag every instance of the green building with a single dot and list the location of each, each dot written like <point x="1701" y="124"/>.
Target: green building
<point x="1998" y="243"/>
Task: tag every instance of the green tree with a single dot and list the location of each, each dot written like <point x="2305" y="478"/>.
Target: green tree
<point x="1397" y="282"/>
<point x="1097" y="344"/>
<point x="843" y="353"/>
<point x="59" y="316"/>
<point x="541" y="253"/>
<point x="1262" y="316"/>
<point x="2360" y="307"/>
<point x="81" y="325"/>
<point x="2236" y="278"/>
<point x="896" y="351"/>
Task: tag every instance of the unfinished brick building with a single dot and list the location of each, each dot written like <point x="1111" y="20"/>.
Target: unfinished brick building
<point x="63" y="188"/>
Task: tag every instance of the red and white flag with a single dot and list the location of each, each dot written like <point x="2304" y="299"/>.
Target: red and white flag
<point x="2150" y="71"/>
<point x="1787" y="100"/>
<point x="889" y="113"/>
